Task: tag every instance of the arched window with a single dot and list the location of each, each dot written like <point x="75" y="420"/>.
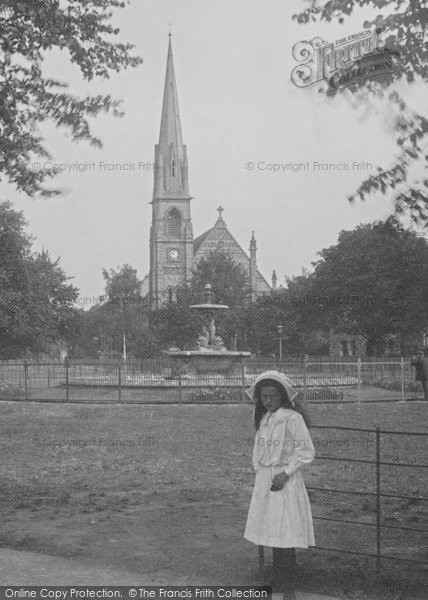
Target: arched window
<point x="173" y="219"/>
<point x="170" y="295"/>
<point x="173" y="168"/>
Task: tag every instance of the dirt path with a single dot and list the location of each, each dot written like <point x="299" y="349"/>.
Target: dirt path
<point x="31" y="568"/>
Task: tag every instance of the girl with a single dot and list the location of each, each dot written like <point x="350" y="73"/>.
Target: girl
<point x="280" y="513"/>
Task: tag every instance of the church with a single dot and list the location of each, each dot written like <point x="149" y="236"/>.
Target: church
<point x="174" y="250"/>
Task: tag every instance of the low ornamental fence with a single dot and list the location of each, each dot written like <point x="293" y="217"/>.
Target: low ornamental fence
<point x="137" y="381"/>
<point x="379" y="494"/>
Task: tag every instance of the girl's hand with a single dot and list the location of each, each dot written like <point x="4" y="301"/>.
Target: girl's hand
<point x="278" y="482"/>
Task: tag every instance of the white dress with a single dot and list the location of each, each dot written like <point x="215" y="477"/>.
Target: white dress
<point x="281" y="519"/>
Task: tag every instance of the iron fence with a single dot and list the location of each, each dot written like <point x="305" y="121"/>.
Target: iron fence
<point x="167" y="380"/>
<point x="381" y="494"/>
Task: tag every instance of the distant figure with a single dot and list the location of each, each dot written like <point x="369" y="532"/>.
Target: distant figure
<point x="421" y="365"/>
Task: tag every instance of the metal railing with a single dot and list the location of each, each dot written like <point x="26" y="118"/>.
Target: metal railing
<point x="379" y="494"/>
<point x="137" y="381"/>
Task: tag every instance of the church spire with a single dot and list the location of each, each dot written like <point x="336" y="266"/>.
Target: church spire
<point x="170" y="155"/>
<point x="171" y="231"/>
<point x="170" y="129"/>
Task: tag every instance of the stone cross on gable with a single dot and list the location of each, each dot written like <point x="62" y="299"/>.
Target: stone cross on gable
<point x="220" y="209"/>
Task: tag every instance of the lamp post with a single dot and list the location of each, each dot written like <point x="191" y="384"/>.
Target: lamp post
<point x="280" y="329"/>
<point x="95" y="341"/>
<point x="121" y="295"/>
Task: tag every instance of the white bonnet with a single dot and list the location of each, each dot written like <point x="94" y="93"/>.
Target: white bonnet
<point x="282" y="379"/>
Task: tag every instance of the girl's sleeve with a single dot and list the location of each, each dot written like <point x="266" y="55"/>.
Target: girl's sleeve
<point x="304" y="451"/>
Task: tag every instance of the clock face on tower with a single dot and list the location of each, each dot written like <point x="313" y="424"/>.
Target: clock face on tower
<point x="173" y="254"/>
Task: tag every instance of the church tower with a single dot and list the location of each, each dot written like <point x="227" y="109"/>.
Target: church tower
<point x="171" y="234"/>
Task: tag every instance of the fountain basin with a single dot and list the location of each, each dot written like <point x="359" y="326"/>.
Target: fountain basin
<point x="209" y="361"/>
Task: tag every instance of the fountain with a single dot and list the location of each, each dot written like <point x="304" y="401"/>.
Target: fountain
<point x="209" y="355"/>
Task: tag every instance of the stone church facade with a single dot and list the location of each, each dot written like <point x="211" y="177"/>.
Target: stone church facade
<point x="173" y="249"/>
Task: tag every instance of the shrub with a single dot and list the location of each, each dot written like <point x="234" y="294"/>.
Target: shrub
<point x="215" y="395"/>
<point x="409" y="386"/>
<point x="11" y="390"/>
<point x="324" y="393"/>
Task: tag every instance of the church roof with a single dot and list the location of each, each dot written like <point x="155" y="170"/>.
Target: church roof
<point x="219" y="238"/>
<point x="200" y="239"/>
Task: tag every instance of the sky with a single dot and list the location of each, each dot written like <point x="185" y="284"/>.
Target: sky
<point x="238" y="106"/>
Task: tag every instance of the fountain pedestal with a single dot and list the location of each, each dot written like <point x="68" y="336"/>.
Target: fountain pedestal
<point x="210" y="356"/>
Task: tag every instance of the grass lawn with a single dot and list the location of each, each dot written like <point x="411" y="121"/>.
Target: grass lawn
<point x="164" y="490"/>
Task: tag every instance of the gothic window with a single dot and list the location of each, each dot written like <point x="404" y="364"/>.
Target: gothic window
<point x="173" y="168"/>
<point x="174" y="222"/>
<point x="170" y="295"/>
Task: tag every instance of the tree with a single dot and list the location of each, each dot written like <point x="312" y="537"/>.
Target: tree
<point x="374" y="281"/>
<point x="120" y="320"/>
<point x="30" y="29"/>
<point x="36" y="299"/>
<point x="304" y="329"/>
<point x="306" y="326"/>
<point x="405" y="24"/>
<point x="15" y="248"/>
<point x="228" y="279"/>
<point x="122" y="283"/>
<point x="261" y="321"/>
<point x="174" y="325"/>
<point x="50" y="303"/>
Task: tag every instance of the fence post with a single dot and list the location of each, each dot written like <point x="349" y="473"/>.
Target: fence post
<point x="402" y="379"/>
<point x="359" y="379"/>
<point x="243" y="379"/>
<point x="119" y="377"/>
<point x="67" y="386"/>
<point x="26" y="378"/>
<point x="180" y="390"/>
<point x="378" y="506"/>
<point x="305" y="378"/>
